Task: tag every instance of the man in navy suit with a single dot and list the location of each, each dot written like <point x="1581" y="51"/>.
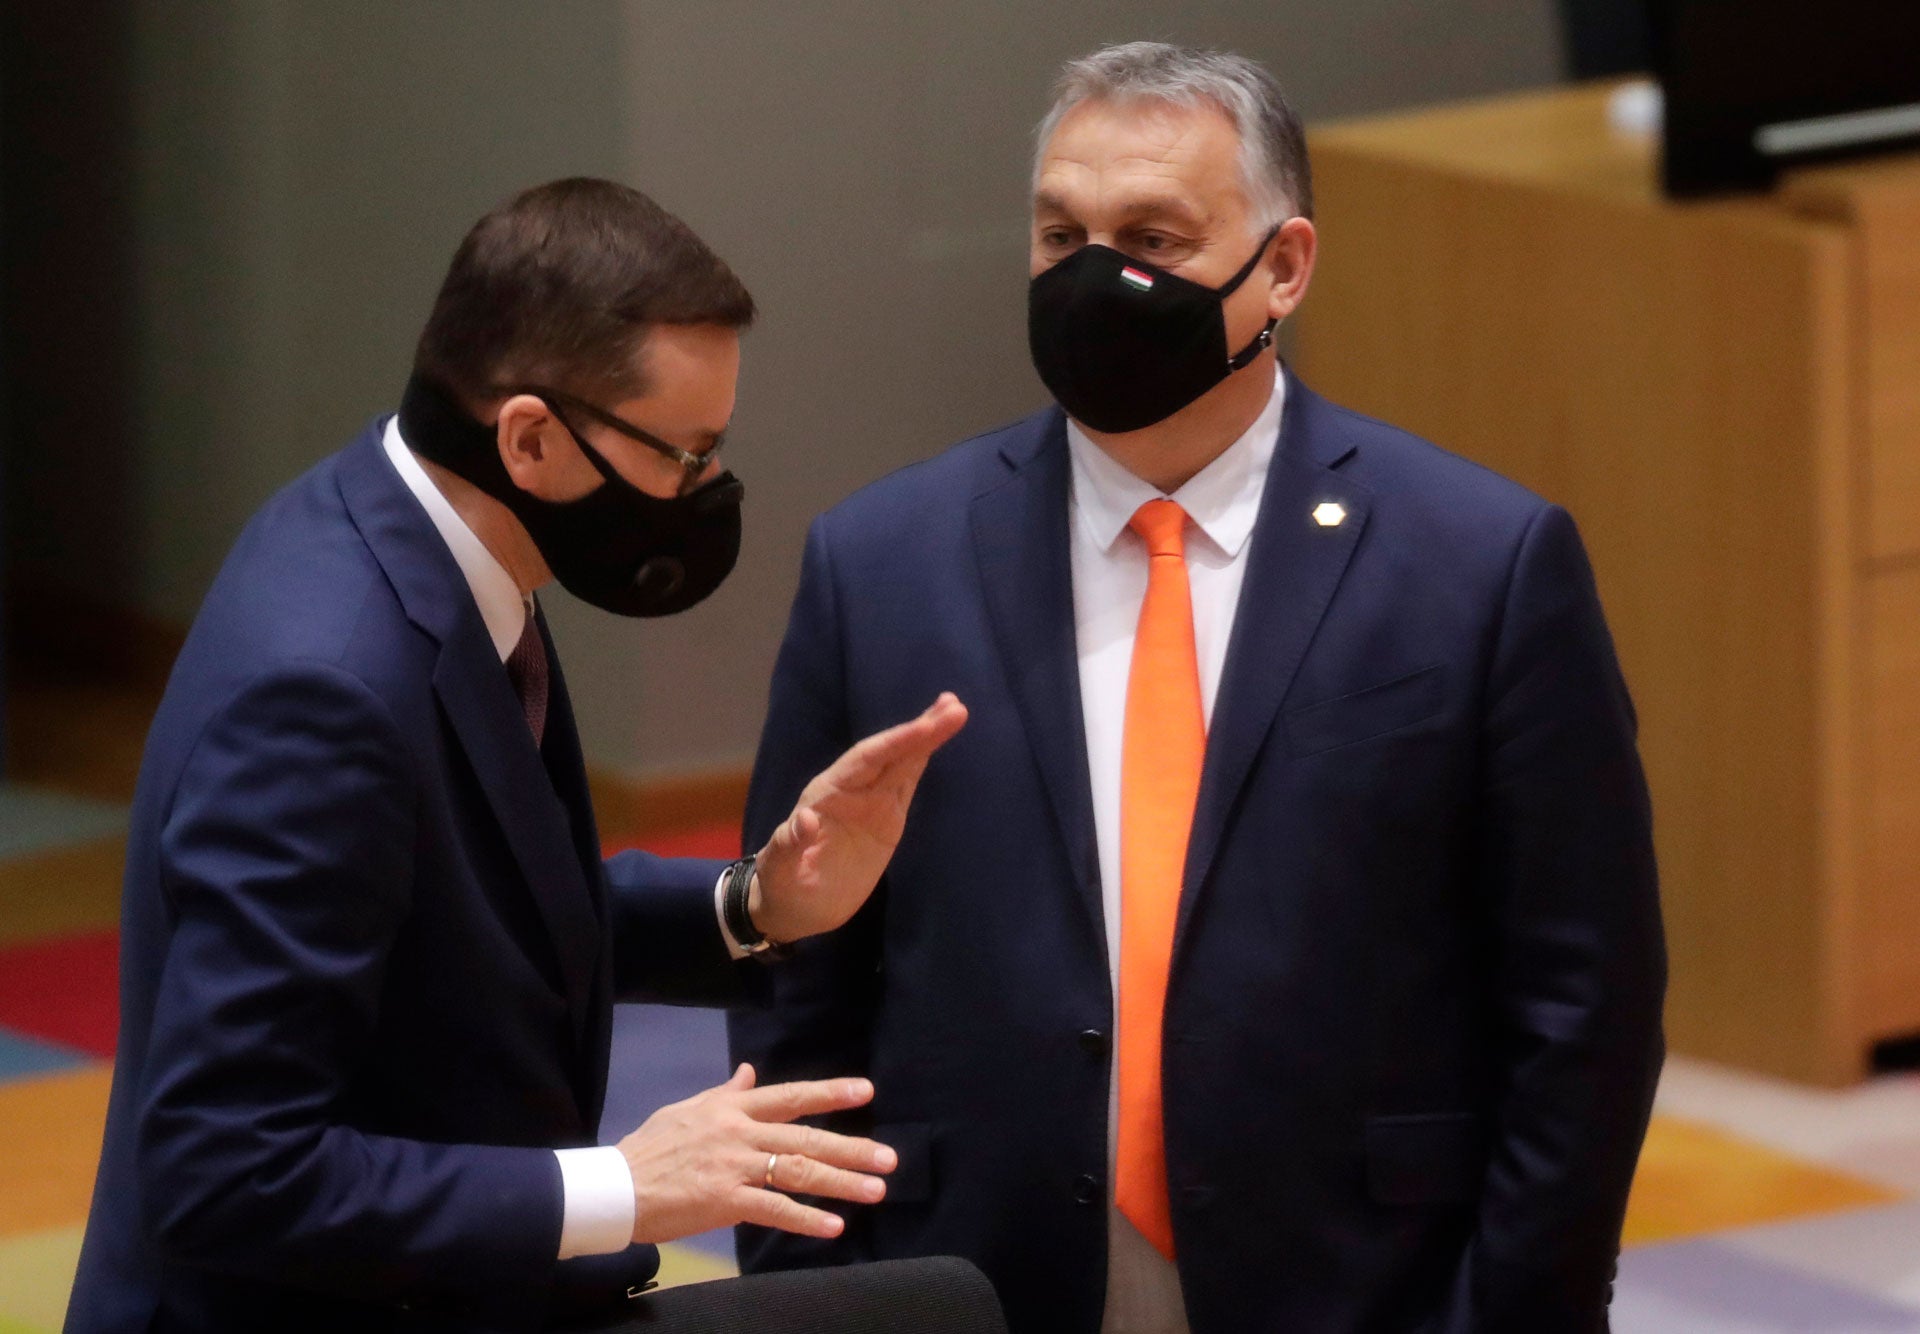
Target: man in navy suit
<point x="1279" y="947"/>
<point x="370" y="949"/>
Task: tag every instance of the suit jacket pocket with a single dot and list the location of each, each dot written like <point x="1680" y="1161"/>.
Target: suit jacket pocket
<point x="1364" y="714"/>
<point x="1426" y="1158"/>
<point x="912" y="1181"/>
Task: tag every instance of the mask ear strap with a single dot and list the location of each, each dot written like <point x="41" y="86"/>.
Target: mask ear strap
<point x="437" y="428"/>
<point x="1264" y="339"/>
<point x="604" y="468"/>
<point x="1261" y="342"/>
<point x="1233" y="283"/>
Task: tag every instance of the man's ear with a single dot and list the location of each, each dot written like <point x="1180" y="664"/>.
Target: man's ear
<point x="523" y="436"/>
<point x="1291" y="253"/>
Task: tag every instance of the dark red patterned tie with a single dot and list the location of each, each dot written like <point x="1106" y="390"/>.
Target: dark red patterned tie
<point x="527" y="669"/>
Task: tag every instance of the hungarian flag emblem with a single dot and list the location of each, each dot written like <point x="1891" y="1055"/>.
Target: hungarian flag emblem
<point x="1139" y="281"/>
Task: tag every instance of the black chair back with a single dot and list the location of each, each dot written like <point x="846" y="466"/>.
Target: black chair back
<point x="940" y="1295"/>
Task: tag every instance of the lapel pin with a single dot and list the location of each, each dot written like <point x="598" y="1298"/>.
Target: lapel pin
<point x="1329" y="514"/>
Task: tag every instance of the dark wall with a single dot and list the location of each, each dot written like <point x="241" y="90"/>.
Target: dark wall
<point x="1606" y="37"/>
<point x="236" y="213"/>
<point x="66" y="211"/>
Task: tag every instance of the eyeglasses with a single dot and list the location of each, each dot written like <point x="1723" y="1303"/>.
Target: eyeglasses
<point x="692" y="466"/>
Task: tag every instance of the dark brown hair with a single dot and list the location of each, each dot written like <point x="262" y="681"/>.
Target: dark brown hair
<point x="557" y="287"/>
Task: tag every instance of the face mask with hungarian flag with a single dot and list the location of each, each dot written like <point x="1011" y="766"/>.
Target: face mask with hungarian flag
<point x="1122" y="345"/>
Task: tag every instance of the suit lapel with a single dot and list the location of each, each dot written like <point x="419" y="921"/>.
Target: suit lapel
<point x="1294" y="566"/>
<point x="479" y="702"/>
<point x="1020" y="544"/>
<point x="567" y="767"/>
<point x="480" y="705"/>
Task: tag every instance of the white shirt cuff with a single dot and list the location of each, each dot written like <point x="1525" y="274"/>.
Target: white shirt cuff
<point x="596" y="1191"/>
<point x="720" y="915"/>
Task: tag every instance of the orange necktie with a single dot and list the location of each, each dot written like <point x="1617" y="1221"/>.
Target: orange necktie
<point x="1165" y="743"/>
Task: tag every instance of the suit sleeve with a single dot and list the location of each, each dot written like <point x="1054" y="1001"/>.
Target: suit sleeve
<point x="286" y="858"/>
<point x="1569" y="886"/>
<point x="667" y="946"/>
<point x="818" y="1022"/>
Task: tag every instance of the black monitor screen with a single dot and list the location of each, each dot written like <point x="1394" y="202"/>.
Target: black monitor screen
<point x="1753" y="85"/>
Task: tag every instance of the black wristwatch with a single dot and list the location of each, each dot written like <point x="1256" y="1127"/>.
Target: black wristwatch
<point x="733" y="907"/>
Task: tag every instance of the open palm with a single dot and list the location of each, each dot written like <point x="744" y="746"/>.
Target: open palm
<point x="825" y="859"/>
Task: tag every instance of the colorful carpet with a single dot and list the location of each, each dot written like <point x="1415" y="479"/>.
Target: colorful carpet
<point x="33" y="818"/>
<point x="1760" y="1208"/>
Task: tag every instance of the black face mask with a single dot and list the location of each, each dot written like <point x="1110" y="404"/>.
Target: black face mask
<point x="616" y="547"/>
<point x="1122" y="345"/>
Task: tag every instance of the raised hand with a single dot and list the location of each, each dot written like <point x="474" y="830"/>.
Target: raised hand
<point x="729" y="1155"/>
<point x="825" y="859"/>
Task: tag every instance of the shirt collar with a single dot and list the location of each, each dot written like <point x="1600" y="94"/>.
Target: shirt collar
<point x="1222" y="499"/>
<point x="502" y="605"/>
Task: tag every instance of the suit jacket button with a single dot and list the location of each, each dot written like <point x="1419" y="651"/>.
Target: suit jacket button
<point x="1086" y="1189"/>
<point x="1093" y="1042"/>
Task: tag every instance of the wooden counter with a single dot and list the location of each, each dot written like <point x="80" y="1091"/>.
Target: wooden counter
<point x="1726" y="395"/>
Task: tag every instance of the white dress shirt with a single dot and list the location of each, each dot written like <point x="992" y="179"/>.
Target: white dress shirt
<point x="1109" y="563"/>
<point x="596" y="1185"/>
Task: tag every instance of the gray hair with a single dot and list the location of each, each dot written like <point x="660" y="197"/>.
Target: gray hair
<point x="1273" y="146"/>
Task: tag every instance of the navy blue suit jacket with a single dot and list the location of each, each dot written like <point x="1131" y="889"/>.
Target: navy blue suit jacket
<point x="1413" y="1024"/>
<point x="369" y="954"/>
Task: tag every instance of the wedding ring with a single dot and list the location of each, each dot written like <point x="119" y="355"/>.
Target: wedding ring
<point x="772" y="1158"/>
